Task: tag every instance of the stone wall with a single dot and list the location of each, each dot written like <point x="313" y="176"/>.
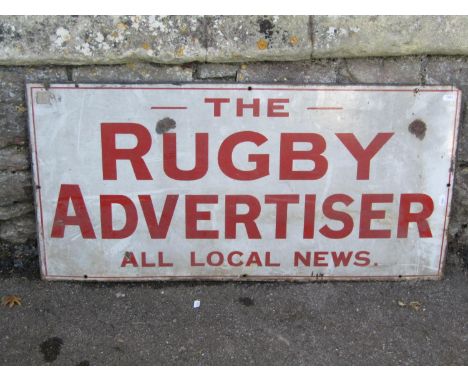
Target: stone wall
<point x="290" y="49"/>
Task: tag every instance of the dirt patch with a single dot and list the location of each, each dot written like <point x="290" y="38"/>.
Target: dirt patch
<point x="50" y="348"/>
<point x="246" y="301"/>
<point x="418" y="128"/>
<point x="164" y="125"/>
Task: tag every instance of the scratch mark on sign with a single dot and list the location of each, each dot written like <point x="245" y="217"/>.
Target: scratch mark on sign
<point x="44" y="98"/>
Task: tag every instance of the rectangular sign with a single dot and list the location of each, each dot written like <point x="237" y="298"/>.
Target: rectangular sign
<point x="256" y="182"/>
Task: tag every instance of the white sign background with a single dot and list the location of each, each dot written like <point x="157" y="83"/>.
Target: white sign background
<point x="65" y="135"/>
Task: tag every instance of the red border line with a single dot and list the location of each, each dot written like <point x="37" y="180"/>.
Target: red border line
<point x="363" y="90"/>
<point x="411" y="90"/>
<point x="38" y="185"/>
<point x="449" y="184"/>
<point x="168" y="107"/>
<point x="242" y="278"/>
<point x="324" y="278"/>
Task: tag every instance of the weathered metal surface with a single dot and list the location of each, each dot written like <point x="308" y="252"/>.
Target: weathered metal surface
<point x="260" y="182"/>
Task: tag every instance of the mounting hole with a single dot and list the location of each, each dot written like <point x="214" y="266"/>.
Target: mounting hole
<point x="249" y="88"/>
<point x="448" y="184"/>
<point x="85" y="276"/>
<point x="399" y="276"/>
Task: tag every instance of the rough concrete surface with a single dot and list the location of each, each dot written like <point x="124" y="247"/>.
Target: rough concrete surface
<point x="100" y="39"/>
<point x="367" y="36"/>
<point x="257" y="38"/>
<point x="378" y="323"/>
<point x="85" y="40"/>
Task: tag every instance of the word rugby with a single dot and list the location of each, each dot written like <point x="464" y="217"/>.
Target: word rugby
<point x="145" y="182"/>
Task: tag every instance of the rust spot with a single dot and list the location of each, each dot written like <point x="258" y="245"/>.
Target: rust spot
<point x="293" y="40"/>
<point x="164" y="125"/>
<point x="262" y="44"/>
<point x="145" y="46"/>
<point x="418" y="128"/>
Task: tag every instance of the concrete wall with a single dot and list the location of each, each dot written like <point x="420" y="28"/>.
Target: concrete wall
<point x="415" y="50"/>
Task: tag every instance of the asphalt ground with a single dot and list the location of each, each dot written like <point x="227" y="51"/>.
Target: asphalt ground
<point x="237" y="323"/>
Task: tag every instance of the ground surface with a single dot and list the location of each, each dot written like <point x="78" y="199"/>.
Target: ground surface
<point x="65" y="323"/>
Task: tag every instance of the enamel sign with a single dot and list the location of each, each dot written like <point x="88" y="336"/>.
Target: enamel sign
<point x="245" y="182"/>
